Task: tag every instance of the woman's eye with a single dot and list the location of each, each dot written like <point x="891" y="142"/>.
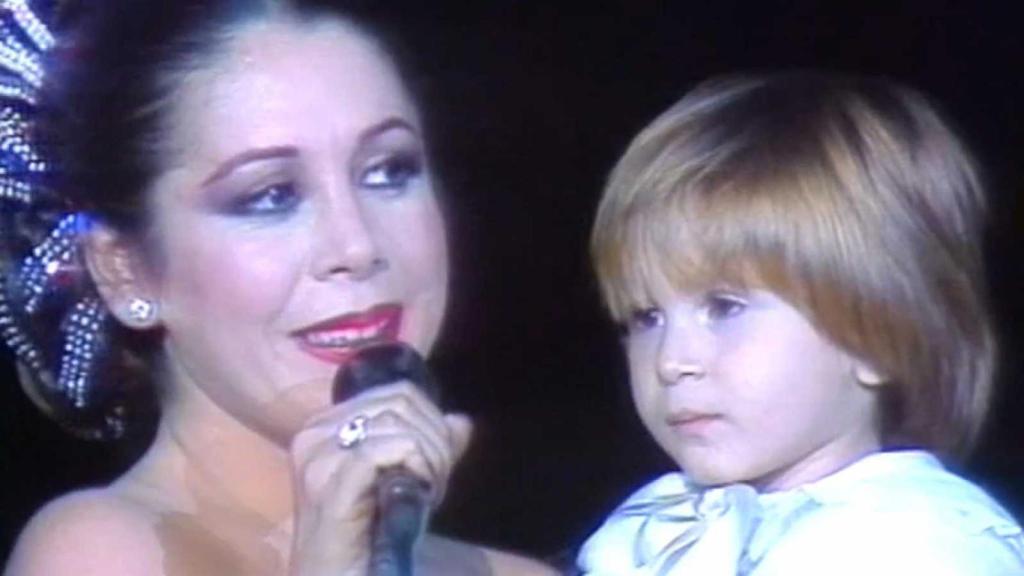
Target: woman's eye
<point x="269" y="200"/>
<point x="643" y="319"/>
<point x="392" y="173"/>
<point x="719" y="306"/>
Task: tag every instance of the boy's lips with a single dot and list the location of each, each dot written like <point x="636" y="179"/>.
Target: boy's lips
<point x="691" y="423"/>
<point x="337" y="339"/>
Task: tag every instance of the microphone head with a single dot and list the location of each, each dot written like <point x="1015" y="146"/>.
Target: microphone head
<point x="383" y="364"/>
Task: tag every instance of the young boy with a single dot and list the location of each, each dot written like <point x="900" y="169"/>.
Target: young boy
<point x="795" y="260"/>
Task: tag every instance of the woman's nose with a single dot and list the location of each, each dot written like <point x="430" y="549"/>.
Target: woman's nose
<point x="682" y="355"/>
<point x="346" y="242"/>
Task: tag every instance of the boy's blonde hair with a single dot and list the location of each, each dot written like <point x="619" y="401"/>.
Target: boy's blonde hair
<point x="849" y="197"/>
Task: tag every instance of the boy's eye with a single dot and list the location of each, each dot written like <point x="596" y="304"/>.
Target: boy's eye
<point x="722" y="305"/>
<point x="392" y="173"/>
<point x="269" y="200"/>
<point x="643" y="319"/>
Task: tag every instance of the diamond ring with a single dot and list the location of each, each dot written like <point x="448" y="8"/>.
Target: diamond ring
<point x="353" y="432"/>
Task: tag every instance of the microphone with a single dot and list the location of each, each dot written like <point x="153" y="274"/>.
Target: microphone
<point x="403" y="499"/>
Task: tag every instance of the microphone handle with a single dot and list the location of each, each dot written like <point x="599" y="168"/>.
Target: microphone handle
<point x="403" y="500"/>
<point x="402" y="515"/>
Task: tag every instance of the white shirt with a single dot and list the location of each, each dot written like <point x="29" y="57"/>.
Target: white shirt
<point x="890" y="513"/>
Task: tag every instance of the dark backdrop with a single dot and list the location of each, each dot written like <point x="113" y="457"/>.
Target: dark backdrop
<point x="529" y="104"/>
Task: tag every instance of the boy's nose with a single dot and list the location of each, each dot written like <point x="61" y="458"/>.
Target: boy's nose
<point x="680" y="355"/>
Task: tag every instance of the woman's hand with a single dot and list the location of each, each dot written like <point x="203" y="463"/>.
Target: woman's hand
<point x="335" y="496"/>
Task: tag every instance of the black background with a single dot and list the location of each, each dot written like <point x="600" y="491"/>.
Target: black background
<point x="529" y="104"/>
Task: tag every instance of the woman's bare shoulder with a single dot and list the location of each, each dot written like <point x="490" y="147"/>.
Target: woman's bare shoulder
<point x="95" y="531"/>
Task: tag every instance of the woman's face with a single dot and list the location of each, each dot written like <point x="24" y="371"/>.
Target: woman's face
<point x="296" y="221"/>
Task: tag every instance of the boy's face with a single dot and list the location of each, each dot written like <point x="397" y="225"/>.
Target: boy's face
<point x="738" y="386"/>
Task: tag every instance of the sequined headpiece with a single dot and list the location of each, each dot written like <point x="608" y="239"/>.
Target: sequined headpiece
<point x="42" y="279"/>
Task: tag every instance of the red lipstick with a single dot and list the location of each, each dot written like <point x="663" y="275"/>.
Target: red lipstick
<point x="337" y="339"/>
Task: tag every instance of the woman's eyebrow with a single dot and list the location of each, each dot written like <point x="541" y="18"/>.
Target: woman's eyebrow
<point x="247" y="156"/>
<point x="271" y="152"/>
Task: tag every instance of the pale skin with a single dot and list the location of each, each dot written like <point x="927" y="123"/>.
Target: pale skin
<point x="296" y="191"/>
<point x="738" y="386"/>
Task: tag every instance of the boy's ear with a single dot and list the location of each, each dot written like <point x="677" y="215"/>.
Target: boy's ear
<point x="867" y="375"/>
<point x="117" y="267"/>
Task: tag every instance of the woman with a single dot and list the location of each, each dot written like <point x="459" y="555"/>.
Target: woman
<point x="240" y="199"/>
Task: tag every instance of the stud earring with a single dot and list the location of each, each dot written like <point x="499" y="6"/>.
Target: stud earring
<point x="141" y="311"/>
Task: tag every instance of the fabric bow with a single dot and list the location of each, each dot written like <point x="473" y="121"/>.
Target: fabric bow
<point x="672" y="526"/>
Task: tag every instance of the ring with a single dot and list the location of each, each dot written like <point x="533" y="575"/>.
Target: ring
<point x="352" y="432"/>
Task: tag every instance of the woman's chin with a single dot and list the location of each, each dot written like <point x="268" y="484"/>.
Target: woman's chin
<point x="289" y="411"/>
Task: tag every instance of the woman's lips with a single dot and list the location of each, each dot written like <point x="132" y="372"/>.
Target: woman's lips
<point x="337" y="339"/>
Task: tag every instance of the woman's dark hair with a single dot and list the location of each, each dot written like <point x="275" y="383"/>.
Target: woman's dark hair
<point x="100" y="121"/>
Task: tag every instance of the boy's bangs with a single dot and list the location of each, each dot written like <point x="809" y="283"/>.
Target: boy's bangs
<point x="694" y="242"/>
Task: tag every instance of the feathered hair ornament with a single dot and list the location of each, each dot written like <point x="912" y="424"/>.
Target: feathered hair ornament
<point x="42" y="279"/>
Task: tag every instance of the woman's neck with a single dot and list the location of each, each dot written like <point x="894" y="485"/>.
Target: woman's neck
<point x="206" y="461"/>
